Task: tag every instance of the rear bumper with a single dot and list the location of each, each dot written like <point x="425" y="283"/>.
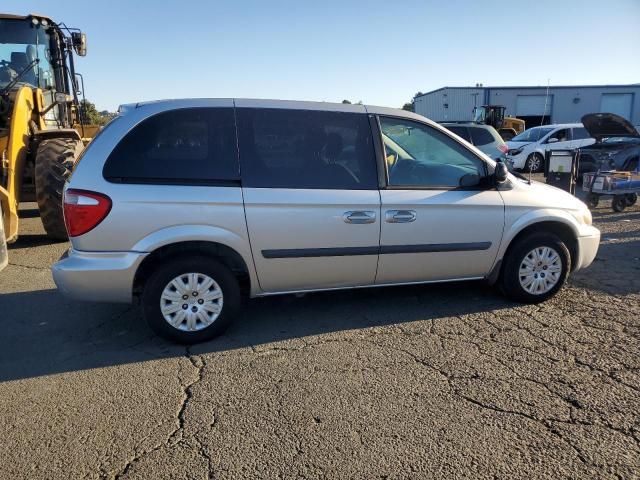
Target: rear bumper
<point x="97" y="276"/>
<point x="588" y="243"/>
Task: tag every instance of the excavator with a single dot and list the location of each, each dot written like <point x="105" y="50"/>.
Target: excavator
<point x="507" y="126"/>
<point x="42" y="129"/>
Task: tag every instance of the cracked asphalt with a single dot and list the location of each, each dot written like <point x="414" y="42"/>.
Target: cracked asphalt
<point x="444" y="381"/>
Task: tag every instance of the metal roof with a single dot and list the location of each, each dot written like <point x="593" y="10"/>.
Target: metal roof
<point x="528" y="87"/>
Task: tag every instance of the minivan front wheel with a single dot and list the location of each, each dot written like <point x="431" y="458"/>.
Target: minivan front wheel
<point x="190" y="300"/>
<point x="536" y="268"/>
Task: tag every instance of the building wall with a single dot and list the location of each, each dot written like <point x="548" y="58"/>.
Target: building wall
<point x="562" y="107"/>
<point x="454" y="104"/>
<point x="449" y="104"/>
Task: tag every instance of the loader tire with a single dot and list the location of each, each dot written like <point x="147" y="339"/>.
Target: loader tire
<point x="54" y="162"/>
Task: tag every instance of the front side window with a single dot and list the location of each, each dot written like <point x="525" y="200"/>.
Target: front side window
<point x="421" y="156"/>
<point x="562" y="135"/>
<point x="282" y="148"/>
<point x="191" y="145"/>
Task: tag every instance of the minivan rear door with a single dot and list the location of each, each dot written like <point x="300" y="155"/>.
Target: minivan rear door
<point x="311" y="195"/>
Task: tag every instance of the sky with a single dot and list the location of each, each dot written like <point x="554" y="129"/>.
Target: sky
<point x="377" y="52"/>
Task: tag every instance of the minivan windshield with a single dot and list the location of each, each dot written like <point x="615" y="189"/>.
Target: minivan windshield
<point x="532" y="134"/>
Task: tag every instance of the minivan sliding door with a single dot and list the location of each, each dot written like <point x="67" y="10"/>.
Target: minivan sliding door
<point x="311" y="197"/>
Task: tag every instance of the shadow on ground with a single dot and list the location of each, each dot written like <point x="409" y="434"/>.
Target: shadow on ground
<point x="45" y="333"/>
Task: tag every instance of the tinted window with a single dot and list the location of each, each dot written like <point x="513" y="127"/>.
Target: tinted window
<point x="481" y="136"/>
<point x="580" y="133"/>
<point x="460" y="131"/>
<point x="306" y="149"/>
<point x="419" y="155"/>
<point x="193" y="145"/>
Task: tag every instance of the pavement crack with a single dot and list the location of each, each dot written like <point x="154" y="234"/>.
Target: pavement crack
<point x="177" y="435"/>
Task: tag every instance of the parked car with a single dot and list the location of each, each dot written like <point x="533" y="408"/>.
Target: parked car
<point x="484" y="137"/>
<point x="616" y="147"/>
<point x="188" y="205"/>
<point x="527" y="150"/>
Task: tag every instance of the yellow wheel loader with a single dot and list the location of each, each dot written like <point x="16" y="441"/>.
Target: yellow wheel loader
<point x="507" y="126"/>
<point x="41" y="126"/>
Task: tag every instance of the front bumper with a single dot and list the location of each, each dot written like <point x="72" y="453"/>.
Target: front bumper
<point x="97" y="276"/>
<point x="516" y="161"/>
<point x="588" y="243"/>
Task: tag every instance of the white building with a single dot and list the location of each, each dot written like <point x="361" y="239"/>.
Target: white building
<point x="535" y="105"/>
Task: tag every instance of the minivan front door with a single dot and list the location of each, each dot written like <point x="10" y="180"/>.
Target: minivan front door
<point x="439" y="222"/>
<point x="311" y="197"/>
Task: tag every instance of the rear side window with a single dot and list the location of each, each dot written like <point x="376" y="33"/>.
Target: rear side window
<point x="481" y="136"/>
<point x="306" y="149"/>
<point x="185" y="146"/>
<point x="462" y="132"/>
<point x="580" y="133"/>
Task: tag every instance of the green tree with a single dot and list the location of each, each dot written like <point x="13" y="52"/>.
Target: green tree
<point x="346" y="101"/>
<point x="90" y="114"/>
<point x="410" y="106"/>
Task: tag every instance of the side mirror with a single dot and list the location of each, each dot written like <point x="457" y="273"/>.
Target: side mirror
<point x="552" y="140"/>
<point x="470" y="180"/>
<point x="79" y="41"/>
<point x="501" y="172"/>
<point x="77" y="82"/>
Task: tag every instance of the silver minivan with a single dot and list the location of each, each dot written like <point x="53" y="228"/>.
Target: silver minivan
<point x="189" y="205"/>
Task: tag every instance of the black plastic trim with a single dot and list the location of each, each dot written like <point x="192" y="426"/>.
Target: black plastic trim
<point x="381" y="250"/>
<point x="435" y="247"/>
<point x="320" y="252"/>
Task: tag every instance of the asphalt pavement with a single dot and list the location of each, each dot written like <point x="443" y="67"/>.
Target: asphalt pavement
<point x="436" y="381"/>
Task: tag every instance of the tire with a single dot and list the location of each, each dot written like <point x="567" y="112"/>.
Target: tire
<point x="534" y="163"/>
<point x="158" y="283"/>
<point x="593" y="199"/>
<point x="55" y="160"/>
<point x="619" y="203"/>
<point x="511" y="274"/>
<point x="631" y="199"/>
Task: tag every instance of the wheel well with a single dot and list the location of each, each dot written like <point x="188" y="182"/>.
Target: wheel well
<point x="562" y="231"/>
<point x="224" y="254"/>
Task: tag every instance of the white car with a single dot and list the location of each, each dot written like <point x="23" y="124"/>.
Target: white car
<point x="526" y="151"/>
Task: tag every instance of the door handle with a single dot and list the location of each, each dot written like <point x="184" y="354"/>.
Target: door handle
<point x="400" y="216"/>
<point x="359" y="216"/>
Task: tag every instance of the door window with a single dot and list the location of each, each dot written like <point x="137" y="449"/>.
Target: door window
<point x="421" y="156"/>
<point x="562" y="135"/>
<point x="282" y="148"/>
<point x="580" y="133"/>
<point x="185" y="146"/>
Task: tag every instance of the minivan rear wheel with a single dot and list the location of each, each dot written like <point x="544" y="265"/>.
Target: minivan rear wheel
<point x="190" y="300"/>
<point x="536" y="268"/>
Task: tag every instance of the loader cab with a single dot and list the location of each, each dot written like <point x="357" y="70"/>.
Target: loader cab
<point x="35" y="53"/>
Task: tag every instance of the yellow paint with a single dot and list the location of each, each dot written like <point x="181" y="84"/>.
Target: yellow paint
<point x="16" y="149"/>
<point x="516" y="123"/>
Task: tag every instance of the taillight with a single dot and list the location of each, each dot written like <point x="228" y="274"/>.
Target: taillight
<point x="503" y="148"/>
<point x="84" y="210"/>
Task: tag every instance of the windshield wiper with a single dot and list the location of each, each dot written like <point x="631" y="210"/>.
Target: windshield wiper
<point x="11" y="84"/>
